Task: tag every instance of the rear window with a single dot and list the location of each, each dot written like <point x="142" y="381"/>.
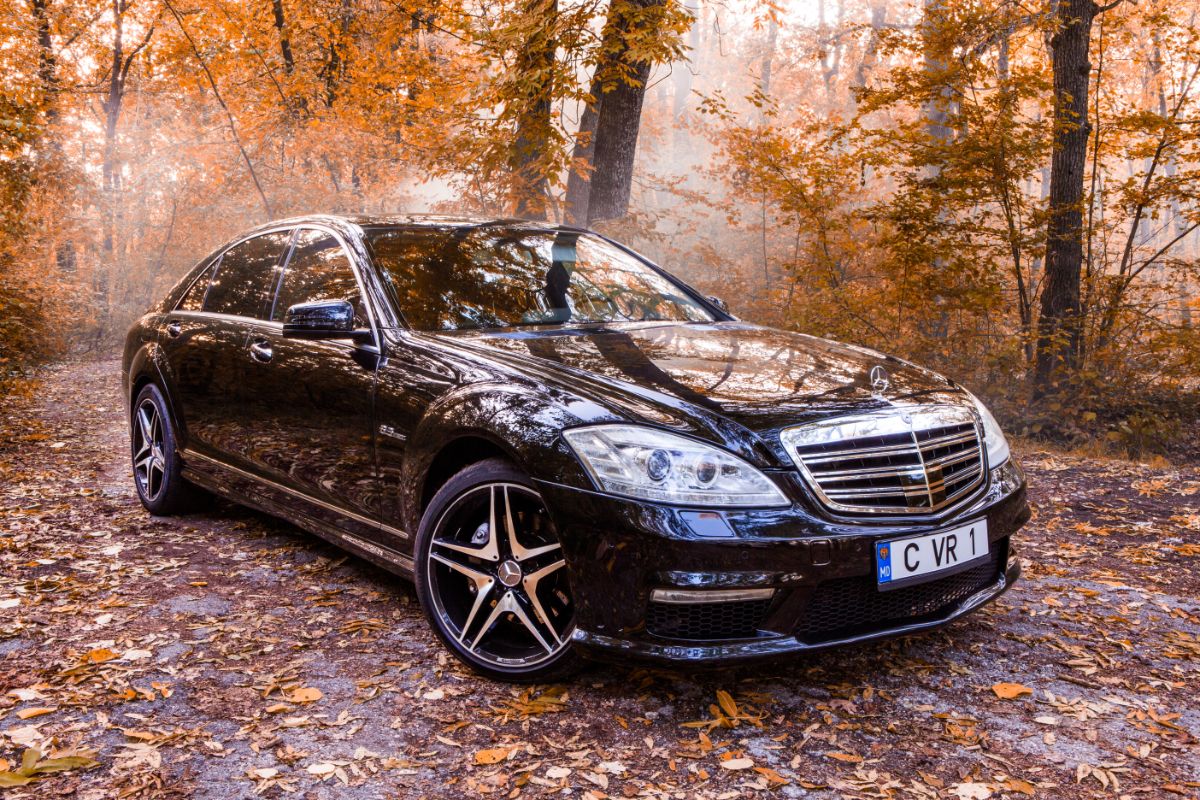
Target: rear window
<point x="193" y="299"/>
<point x="245" y="276"/>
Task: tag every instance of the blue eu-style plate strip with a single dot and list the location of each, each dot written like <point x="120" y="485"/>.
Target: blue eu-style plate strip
<point x="883" y="559"/>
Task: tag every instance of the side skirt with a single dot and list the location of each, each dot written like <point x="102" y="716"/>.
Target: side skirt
<point x="246" y="490"/>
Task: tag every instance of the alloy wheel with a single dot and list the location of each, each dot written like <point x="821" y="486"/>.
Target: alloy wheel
<point x="149" y="461"/>
<point x="497" y="577"/>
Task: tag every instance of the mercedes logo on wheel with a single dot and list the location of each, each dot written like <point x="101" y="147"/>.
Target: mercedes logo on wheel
<point x="879" y="380"/>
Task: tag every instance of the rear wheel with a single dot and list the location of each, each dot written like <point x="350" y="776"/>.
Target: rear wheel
<point x="491" y="575"/>
<point x="156" y="468"/>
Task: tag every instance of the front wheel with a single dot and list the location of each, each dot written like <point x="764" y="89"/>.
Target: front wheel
<point x="491" y="576"/>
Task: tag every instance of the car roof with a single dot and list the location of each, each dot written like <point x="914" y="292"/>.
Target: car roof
<point x="415" y="221"/>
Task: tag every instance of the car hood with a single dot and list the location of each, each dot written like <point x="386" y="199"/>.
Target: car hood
<point x="762" y="379"/>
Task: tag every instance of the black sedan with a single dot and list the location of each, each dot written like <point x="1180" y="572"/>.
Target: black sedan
<point x="569" y="450"/>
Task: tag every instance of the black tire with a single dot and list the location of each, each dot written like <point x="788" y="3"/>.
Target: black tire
<point x="504" y="607"/>
<point x="160" y="485"/>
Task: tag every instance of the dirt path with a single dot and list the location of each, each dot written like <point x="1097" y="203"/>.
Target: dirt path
<point x="182" y="655"/>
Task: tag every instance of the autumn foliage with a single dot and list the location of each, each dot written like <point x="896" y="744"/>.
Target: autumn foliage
<point x="871" y="171"/>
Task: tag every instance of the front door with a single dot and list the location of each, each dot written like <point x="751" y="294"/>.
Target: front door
<point x="311" y="400"/>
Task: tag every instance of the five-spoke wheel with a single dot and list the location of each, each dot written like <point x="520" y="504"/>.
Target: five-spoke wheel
<point x="156" y="469"/>
<point x="492" y="576"/>
<point x="149" y="462"/>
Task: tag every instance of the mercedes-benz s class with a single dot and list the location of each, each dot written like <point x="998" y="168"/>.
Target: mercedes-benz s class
<point x="569" y="450"/>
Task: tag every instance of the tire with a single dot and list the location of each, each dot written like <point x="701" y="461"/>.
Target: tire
<point x="497" y="596"/>
<point x="157" y="471"/>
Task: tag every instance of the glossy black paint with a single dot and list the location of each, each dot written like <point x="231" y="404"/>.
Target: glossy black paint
<point x="348" y="431"/>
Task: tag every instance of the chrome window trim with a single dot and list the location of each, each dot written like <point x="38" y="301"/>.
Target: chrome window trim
<point x="885" y="422"/>
<point x="293" y="227"/>
<point x="187" y="453"/>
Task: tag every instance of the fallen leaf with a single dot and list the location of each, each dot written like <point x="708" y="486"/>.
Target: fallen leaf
<point x="771" y="775"/>
<point x="33" y="767"/>
<point x="306" y="694"/>
<point x="99" y="655"/>
<point x="737" y="763"/>
<point x="972" y="791"/>
<point x="727" y="703"/>
<point x="492" y="756"/>
<point x="1010" y="691"/>
<point x="30" y="713"/>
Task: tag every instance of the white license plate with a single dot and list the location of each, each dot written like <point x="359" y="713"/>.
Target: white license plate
<point x="903" y="561"/>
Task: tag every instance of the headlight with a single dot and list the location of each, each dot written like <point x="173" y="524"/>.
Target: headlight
<point x="649" y="464"/>
<point x="993" y="437"/>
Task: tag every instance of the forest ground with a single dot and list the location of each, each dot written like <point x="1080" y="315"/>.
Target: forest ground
<point x="182" y="655"/>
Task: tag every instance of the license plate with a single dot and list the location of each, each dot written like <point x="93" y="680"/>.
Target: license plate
<point x="900" y="562"/>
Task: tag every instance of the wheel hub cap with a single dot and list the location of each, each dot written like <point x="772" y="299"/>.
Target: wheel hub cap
<point x="509" y="573"/>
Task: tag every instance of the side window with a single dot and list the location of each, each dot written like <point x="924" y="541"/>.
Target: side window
<point x="318" y="270"/>
<point x="193" y="298"/>
<point x="244" y="276"/>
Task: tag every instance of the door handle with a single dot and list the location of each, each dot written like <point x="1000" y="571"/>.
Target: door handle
<point x="174" y="328"/>
<point x="261" y="351"/>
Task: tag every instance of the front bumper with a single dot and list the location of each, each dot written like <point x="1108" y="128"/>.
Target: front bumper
<point x="820" y="572"/>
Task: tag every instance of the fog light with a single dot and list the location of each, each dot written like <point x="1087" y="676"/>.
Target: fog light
<point x="710" y="595"/>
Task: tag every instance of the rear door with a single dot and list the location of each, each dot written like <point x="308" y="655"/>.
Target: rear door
<point x="205" y="344"/>
<point x="311" y="400"/>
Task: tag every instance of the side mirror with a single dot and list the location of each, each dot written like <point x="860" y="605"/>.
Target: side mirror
<point x="719" y="303"/>
<point x="322" y="319"/>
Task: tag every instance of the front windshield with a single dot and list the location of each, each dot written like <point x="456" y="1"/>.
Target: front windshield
<point x="493" y="277"/>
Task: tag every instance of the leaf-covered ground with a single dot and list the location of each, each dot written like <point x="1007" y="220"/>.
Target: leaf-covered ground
<point x="231" y="655"/>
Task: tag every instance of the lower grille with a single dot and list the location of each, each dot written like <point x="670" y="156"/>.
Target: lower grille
<point x="850" y="606"/>
<point x="706" y="621"/>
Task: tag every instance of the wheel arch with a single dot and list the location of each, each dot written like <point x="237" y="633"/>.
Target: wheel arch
<point x="519" y="423"/>
<point x="144" y="369"/>
<point x="455" y="456"/>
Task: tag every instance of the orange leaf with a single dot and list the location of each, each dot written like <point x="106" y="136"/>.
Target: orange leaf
<point x="493" y="756"/>
<point x="306" y="694"/>
<point x="727" y="703"/>
<point x="849" y="758"/>
<point x="99" y="656"/>
<point x="1010" y="691"/>
<point x="1018" y="785"/>
<point x="30" y="713"/>
<point x="771" y="775"/>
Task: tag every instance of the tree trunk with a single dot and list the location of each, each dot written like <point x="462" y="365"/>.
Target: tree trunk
<point x="870" y="56"/>
<point x="683" y="79"/>
<point x="768" y="59"/>
<point x="47" y="62"/>
<point x="936" y="110"/>
<point x="580" y="180"/>
<point x="1060" y="325"/>
<point x="112" y="114"/>
<point x="535" y="69"/>
<point x="619" y="117"/>
<point x="285" y="43"/>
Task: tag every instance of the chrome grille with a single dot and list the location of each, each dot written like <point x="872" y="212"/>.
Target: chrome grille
<point x="917" y="460"/>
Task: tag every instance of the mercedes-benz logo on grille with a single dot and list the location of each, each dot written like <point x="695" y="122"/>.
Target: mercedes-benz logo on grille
<point x="880" y="381"/>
